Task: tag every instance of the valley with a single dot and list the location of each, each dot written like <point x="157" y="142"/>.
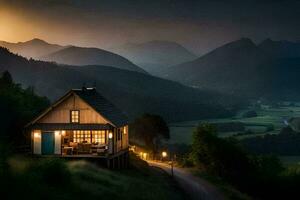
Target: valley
<point x="267" y="116"/>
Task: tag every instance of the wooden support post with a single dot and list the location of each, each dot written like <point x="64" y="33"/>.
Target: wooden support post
<point x="119" y="162"/>
<point x="108" y="163"/>
<point x="123" y="161"/>
<point x="113" y="163"/>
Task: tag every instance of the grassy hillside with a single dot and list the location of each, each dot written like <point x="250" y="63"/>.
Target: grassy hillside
<point x="24" y="178"/>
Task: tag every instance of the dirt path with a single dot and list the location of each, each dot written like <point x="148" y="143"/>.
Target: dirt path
<point x="197" y="188"/>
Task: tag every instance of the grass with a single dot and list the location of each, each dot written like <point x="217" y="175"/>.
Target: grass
<point x="57" y="179"/>
<point x="229" y="192"/>
<point x="290" y="160"/>
<point x="181" y="132"/>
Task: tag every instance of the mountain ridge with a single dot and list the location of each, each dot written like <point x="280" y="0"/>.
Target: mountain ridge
<point x="70" y="55"/>
<point x="136" y="93"/>
<point x="240" y="67"/>
<point x="155" y="55"/>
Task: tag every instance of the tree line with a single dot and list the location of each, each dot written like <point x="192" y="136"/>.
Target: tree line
<point x="259" y="176"/>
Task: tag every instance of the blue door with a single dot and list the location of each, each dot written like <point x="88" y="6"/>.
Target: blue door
<point x="48" y="143"/>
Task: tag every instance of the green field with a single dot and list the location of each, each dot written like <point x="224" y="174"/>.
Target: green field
<point x="181" y="132"/>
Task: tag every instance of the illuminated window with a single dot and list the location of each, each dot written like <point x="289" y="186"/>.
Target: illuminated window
<point x="75" y="116"/>
<point x="82" y="136"/>
<point x="98" y="137"/>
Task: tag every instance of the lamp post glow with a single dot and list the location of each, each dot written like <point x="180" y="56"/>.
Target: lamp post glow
<point x="110" y="135"/>
<point x="145" y="156"/>
<point x="164" y="154"/>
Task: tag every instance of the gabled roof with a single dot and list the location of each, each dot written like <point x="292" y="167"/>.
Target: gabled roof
<point x="100" y="104"/>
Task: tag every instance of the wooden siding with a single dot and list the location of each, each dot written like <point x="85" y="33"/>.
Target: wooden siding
<point x="61" y="113"/>
<point x="37" y="141"/>
<point x="57" y="142"/>
<point x="125" y="138"/>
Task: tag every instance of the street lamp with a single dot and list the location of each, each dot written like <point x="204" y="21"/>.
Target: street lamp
<point x="164" y="155"/>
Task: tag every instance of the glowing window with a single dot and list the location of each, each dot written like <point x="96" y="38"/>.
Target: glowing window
<point x="75" y="116"/>
<point x="82" y="136"/>
<point x="98" y="137"/>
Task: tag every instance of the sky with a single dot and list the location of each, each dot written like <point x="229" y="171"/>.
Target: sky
<point x="199" y="25"/>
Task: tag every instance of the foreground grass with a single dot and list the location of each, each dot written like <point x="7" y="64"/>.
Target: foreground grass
<point x="56" y="179"/>
<point x="229" y="192"/>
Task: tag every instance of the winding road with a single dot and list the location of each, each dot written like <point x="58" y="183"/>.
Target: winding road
<point x="195" y="187"/>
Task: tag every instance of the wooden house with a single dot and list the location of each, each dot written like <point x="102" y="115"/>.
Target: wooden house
<point x="82" y="124"/>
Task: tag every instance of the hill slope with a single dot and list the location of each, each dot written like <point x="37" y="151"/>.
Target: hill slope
<point x="91" y="56"/>
<point x="133" y="92"/>
<point x="39" y="49"/>
<point x="280" y="49"/>
<point x="154" y="55"/>
<point x="240" y="68"/>
<point x="31" y="49"/>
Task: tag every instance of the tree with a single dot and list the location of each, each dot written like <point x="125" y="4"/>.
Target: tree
<point x="228" y="160"/>
<point x="6" y="79"/>
<point x="18" y="106"/>
<point x="150" y="129"/>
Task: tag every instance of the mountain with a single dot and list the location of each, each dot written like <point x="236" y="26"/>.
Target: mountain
<point x="31" y="49"/>
<point x="134" y="92"/>
<point x="281" y="49"/>
<point x="41" y="50"/>
<point x="154" y="55"/>
<point x="241" y="68"/>
<point x="90" y="56"/>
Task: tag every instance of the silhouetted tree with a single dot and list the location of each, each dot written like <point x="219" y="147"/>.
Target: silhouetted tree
<point x="18" y="107"/>
<point x="150" y="129"/>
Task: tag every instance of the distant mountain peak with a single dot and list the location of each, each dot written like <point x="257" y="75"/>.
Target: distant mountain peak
<point x="155" y="54"/>
<point x="243" y="42"/>
<point x="36" y="41"/>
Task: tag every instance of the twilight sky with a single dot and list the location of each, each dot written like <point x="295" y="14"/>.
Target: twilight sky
<point x="198" y="25"/>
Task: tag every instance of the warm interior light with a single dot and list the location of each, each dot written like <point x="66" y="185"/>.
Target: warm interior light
<point x="56" y="133"/>
<point x="125" y="131"/>
<point x="63" y="133"/>
<point x="164" y="154"/>
<point x="110" y="135"/>
<point x="37" y="135"/>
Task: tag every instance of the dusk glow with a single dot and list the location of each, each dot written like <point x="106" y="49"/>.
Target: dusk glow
<point x="198" y="25"/>
<point x="149" y="99"/>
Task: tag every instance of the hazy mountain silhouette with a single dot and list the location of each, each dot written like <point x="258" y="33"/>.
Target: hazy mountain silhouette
<point x="281" y="49"/>
<point x="154" y="55"/>
<point x="134" y="92"/>
<point x="240" y="68"/>
<point x="91" y="56"/>
<point x="31" y="49"/>
<point x="41" y="50"/>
